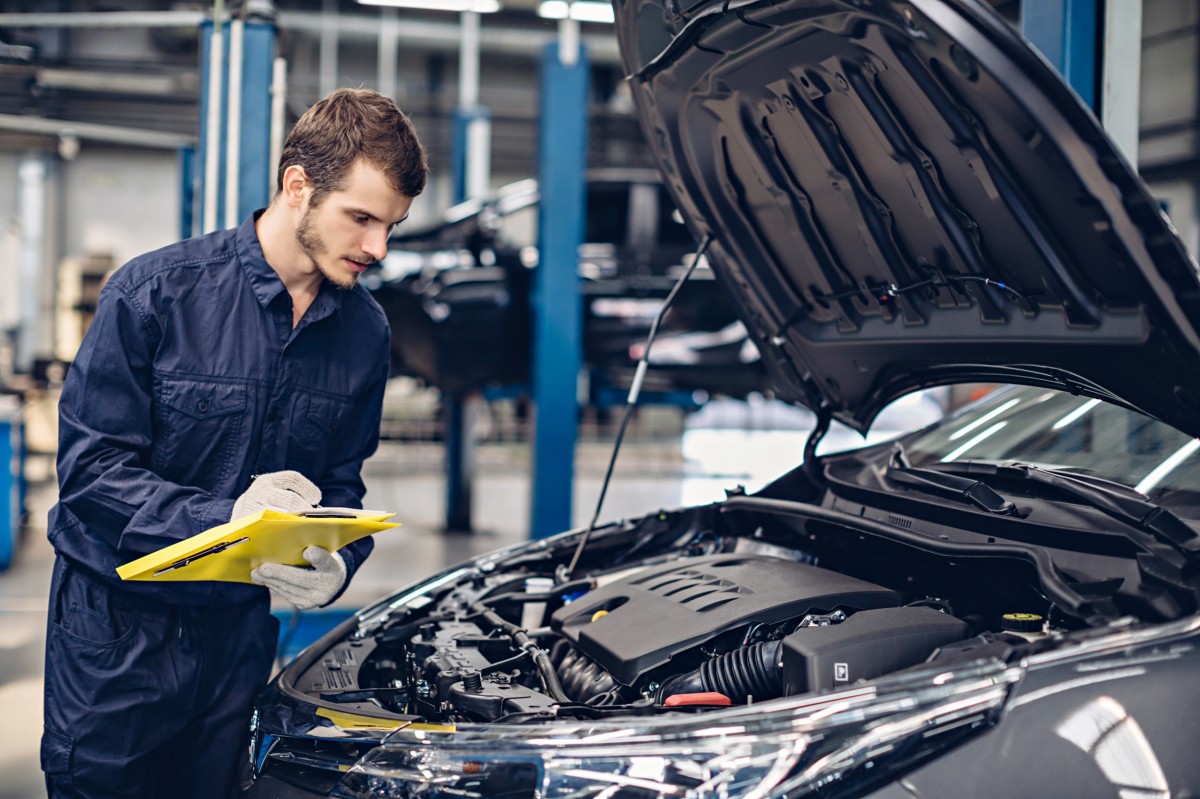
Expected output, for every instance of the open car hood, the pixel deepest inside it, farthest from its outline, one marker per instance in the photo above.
(904, 194)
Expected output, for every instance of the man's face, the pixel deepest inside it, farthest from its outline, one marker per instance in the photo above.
(348, 230)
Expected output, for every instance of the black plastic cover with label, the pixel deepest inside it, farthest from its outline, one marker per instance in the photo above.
(866, 645)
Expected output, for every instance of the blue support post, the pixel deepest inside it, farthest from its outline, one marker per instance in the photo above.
(253, 143)
(1066, 32)
(557, 323)
(22, 445)
(10, 481)
(187, 182)
(464, 118)
(254, 163)
(459, 442)
(206, 149)
(459, 408)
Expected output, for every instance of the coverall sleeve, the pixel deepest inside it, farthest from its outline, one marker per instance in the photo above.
(106, 436)
(342, 485)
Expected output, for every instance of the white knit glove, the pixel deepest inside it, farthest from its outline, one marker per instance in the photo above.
(305, 588)
(286, 491)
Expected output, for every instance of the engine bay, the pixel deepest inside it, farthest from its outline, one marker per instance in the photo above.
(671, 615)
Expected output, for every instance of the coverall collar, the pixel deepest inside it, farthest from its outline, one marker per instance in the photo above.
(266, 283)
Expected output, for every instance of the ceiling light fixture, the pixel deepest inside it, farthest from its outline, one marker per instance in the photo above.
(579, 10)
(478, 6)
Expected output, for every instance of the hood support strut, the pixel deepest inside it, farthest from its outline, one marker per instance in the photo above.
(812, 465)
(630, 403)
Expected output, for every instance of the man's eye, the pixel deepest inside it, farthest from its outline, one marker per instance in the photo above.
(362, 220)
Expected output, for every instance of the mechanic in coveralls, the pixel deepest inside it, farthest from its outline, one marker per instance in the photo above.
(222, 375)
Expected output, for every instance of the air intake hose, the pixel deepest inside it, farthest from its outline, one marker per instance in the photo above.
(749, 671)
(582, 678)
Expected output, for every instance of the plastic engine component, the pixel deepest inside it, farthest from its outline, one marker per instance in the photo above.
(866, 645)
(661, 612)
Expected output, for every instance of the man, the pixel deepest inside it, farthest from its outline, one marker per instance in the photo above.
(223, 374)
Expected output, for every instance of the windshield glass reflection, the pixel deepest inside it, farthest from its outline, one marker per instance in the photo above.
(1056, 430)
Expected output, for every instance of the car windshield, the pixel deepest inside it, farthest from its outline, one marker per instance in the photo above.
(1057, 430)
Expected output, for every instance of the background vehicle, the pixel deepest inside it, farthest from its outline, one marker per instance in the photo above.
(458, 294)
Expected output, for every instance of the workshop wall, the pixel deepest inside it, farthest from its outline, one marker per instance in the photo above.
(1168, 105)
(120, 204)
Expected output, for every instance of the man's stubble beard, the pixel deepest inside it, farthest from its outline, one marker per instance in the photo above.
(313, 246)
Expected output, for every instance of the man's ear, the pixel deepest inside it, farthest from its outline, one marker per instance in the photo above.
(296, 186)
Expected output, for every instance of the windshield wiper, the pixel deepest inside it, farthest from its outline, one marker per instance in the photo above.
(1119, 502)
(975, 492)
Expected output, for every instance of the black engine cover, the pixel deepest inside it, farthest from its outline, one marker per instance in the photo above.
(658, 613)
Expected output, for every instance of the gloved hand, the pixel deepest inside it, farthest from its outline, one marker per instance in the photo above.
(305, 588)
(287, 491)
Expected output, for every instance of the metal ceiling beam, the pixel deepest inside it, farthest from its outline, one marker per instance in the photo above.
(413, 32)
(416, 33)
(95, 132)
(103, 19)
(135, 83)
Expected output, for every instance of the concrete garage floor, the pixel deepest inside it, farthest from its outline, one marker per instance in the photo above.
(405, 478)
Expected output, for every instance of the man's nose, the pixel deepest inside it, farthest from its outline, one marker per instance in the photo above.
(375, 244)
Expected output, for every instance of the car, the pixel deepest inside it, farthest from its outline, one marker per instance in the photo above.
(897, 195)
(457, 294)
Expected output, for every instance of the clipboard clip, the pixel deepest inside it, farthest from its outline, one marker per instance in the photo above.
(221, 547)
(327, 513)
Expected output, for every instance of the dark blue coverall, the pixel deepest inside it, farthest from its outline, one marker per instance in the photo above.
(190, 380)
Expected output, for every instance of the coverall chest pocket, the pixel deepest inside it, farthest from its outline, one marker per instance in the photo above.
(199, 436)
(314, 434)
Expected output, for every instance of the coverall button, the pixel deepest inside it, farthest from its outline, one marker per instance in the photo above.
(202, 406)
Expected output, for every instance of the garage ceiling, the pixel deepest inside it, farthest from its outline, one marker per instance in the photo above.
(146, 77)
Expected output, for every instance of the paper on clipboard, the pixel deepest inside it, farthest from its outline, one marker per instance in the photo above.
(230, 551)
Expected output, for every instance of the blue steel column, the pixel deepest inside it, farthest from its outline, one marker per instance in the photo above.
(206, 149)
(1066, 32)
(254, 164)
(457, 408)
(464, 118)
(187, 184)
(254, 139)
(470, 165)
(9, 481)
(557, 323)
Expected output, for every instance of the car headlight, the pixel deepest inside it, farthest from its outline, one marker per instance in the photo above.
(782, 747)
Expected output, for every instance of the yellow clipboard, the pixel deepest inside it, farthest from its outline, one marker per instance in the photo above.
(230, 551)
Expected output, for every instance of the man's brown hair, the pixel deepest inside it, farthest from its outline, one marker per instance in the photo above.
(347, 125)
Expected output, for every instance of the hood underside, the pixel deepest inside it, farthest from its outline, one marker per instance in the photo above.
(904, 194)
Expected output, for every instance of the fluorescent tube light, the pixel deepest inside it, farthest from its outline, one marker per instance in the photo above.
(478, 6)
(579, 10)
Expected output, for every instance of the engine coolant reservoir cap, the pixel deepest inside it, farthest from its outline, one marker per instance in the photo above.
(1021, 622)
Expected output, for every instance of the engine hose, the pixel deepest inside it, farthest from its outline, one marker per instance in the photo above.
(522, 640)
(749, 671)
(582, 678)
